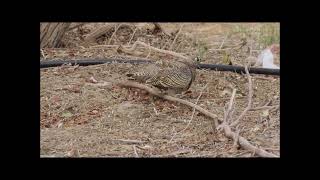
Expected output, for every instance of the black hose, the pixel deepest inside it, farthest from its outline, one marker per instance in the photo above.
(240, 69)
(87, 62)
(217, 67)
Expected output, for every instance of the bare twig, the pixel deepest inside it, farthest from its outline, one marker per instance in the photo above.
(42, 53)
(228, 111)
(227, 130)
(128, 141)
(175, 38)
(263, 107)
(223, 42)
(244, 143)
(47, 156)
(272, 149)
(236, 141)
(135, 151)
(155, 49)
(104, 46)
(193, 112)
(251, 46)
(99, 32)
(230, 104)
(132, 35)
(236, 46)
(175, 153)
(116, 27)
(249, 99)
(177, 48)
(157, 92)
(226, 49)
(75, 26)
(194, 108)
(241, 153)
(149, 51)
(157, 28)
(265, 78)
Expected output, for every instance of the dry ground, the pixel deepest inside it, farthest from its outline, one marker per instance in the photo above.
(79, 119)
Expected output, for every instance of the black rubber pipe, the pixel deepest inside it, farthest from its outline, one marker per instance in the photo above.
(87, 62)
(217, 67)
(240, 69)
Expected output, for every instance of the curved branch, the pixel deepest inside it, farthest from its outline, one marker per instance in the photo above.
(244, 143)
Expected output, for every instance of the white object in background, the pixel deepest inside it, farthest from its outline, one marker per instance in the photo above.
(266, 60)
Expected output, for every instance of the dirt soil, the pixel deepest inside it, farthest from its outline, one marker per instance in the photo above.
(79, 119)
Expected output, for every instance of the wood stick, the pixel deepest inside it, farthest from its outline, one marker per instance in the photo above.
(175, 38)
(132, 36)
(158, 27)
(227, 130)
(128, 141)
(76, 26)
(245, 144)
(155, 49)
(264, 107)
(249, 98)
(156, 92)
(99, 32)
(135, 151)
(223, 42)
(116, 27)
(194, 110)
(44, 56)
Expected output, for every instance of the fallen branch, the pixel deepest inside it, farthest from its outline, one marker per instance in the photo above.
(245, 144)
(223, 42)
(263, 107)
(75, 26)
(227, 130)
(42, 53)
(104, 46)
(135, 151)
(175, 153)
(175, 38)
(234, 47)
(155, 49)
(158, 28)
(156, 92)
(116, 27)
(227, 112)
(132, 36)
(249, 98)
(193, 112)
(241, 140)
(236, 141)
(99, 32)
(47, 156)
(128, 141)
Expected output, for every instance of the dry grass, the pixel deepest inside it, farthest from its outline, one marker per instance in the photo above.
(80, 120)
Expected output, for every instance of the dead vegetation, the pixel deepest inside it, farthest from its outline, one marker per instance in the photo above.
(81, 119)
